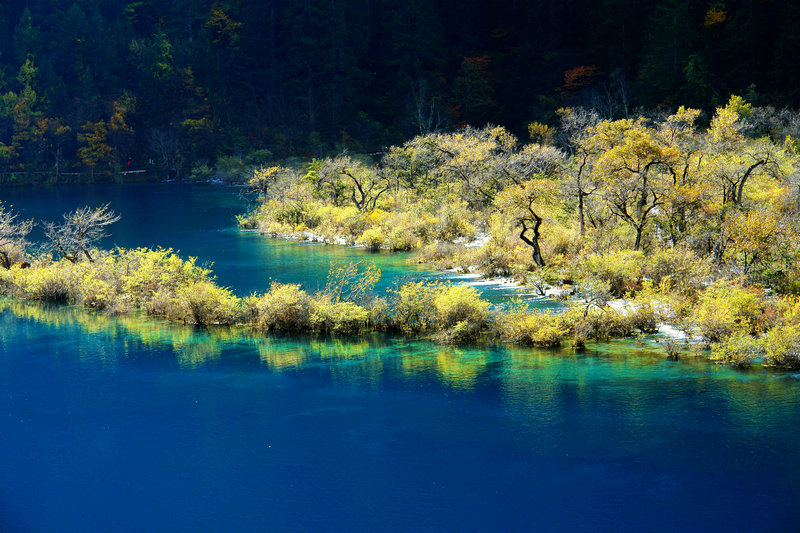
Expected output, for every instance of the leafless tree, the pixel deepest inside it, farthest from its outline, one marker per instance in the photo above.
(166, 146)
(426, 112)
(81, 229)
(575, 131)
(13, 233)
(366, 184)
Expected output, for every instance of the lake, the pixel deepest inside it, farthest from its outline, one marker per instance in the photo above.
(133, 424)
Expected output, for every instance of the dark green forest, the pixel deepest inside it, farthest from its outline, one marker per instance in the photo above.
(91, 88)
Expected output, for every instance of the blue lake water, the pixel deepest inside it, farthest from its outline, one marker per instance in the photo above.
(131, 424)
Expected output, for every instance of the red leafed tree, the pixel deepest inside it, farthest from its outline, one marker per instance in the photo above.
(579, 77)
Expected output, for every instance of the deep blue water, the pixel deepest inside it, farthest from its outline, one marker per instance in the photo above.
(134, 425)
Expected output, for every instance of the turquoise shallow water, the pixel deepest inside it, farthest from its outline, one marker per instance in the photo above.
(131, 424)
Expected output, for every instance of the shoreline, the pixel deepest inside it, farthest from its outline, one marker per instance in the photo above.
(474, 278)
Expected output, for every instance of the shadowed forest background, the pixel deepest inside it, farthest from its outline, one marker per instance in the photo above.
(97, 87)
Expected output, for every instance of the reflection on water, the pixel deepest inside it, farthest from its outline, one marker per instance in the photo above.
(525, 375)
(131, 411)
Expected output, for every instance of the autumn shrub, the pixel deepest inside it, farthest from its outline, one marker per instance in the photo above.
(677, 269)
(144, 272)
(739, 349)
(521, 326)
(402, 240)
(121, 280)
(45, 281)
(378, 314)
(622, 270)
(445, 255)
(724, 309)
(160, 303)
(461, 314)
(542, 279)
(781, 347)
(345, 318)
(285, 307)
(412, 305)
(620, 323)
(348, 304)
(247, 221)
(644, 318)
(455, 221)
(787, 280)
(673, 349)
(293, 214)
(203, 302)
(592, 294)
(494, 261)
(455, 313)
(352, 221)
(96, 290)
(422, 225)
(351, 283)
(668, 305)
(373, 238)
(602, 324)
(562, 241)
(13, 252)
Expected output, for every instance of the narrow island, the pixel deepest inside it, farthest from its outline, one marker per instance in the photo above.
(636, 224)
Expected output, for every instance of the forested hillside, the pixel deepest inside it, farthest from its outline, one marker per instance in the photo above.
(97, 87)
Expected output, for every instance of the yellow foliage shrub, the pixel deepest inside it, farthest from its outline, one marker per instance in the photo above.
(622, 270)
(376, 217)
(521, 326)
(739, 349)
(724, 309)
(203, 303)
(677, 269)
(50, 282)
(286, 307)
(412, 306)
(781, 347)
(460, 305)
(373, 238)
(456, 313)
(143, 272)
(338, 317)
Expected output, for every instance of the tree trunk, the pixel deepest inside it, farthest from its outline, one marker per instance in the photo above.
(536, 252)
(638, 242)
(740, 188)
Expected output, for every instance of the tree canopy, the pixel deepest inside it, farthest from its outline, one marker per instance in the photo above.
(102, 87)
